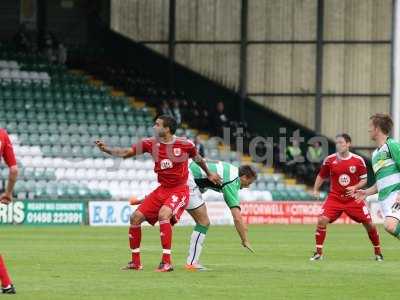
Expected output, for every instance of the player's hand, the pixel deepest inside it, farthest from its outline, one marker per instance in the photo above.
(360, 195)
(101, 145)
(214, 178)
(5, 198)
(396, 204)
(350, 191)
(247, 245)
(135, 201)
(316, 194)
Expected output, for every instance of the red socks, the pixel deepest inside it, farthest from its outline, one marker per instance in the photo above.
(166, 240)
(135, 236)
(4, 278)
(374, 237)
(320, 235)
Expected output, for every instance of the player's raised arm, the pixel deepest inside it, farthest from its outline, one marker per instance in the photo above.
(9, 158)
(241, 227)
(213, 177)
(118, 152)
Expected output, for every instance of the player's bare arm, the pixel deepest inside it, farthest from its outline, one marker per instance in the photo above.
(213, 177)
(317, 185)
(118, 152)
(361, 195)
(241, 228)
(6, 197)
(351, 190)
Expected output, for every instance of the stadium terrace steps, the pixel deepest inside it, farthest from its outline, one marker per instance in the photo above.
(53, 125)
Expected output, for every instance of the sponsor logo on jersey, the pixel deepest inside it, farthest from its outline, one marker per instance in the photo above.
(166, 164)
(352, 169)
(344, 180)
(177, 151)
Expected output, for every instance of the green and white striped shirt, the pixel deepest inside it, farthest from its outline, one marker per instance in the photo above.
(386, 166)
(230, 180)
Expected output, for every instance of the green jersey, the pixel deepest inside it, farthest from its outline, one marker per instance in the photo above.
(230, 180)
(386, 166)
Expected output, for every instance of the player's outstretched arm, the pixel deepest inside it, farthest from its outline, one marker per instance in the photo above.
(361, 195)
(351, 190)
(118, 152)
(213, 177)
(241, 228)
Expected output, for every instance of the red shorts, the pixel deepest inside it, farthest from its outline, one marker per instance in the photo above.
(334, 207)
(177, 198)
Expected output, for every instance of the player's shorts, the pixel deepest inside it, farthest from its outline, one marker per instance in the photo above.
(176, 198)
(386, 206)
(333, 208)
(196, 198)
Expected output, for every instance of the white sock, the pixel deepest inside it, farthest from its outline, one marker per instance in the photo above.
(196, 245)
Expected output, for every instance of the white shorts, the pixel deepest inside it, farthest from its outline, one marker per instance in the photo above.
(386, 206)
(196, 198)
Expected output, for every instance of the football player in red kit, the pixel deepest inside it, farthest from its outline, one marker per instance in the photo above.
(347, 173)
(167, 202)
(7, 153)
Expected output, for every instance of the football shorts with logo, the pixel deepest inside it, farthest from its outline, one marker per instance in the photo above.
(176, 198)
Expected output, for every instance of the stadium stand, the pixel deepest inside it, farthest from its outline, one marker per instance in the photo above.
(54, 115)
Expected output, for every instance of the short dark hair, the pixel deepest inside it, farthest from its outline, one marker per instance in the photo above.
(382, 121)
(345, 136)
(169, 122)
(247, 170)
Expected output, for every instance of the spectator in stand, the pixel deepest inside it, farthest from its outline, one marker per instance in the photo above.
(164, 109)
(21, 39)
(62, 54)
(199, 145)
(220, 120)
(315, 156)
(176, 111)
(295, 166)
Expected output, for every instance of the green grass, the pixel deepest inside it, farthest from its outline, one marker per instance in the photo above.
(84, 263)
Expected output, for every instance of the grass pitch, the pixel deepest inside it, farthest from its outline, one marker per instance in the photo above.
(84, 263)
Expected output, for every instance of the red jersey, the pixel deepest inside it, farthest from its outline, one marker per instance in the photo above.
(170, 160)
(343, 173)
(6, 149)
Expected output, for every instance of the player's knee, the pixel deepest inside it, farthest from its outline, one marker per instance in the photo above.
(165, 213)
(323, 221)
(390, 227)
(136, 218)
(204, 222)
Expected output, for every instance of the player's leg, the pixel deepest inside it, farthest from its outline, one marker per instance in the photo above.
(175, 202)
(200, 216)
(6, 284)
(359, 212)
(373, 235)
(391, 211)
(148, 211)
(164, 219)
(331, 210)
(198, 210)
(135, 237)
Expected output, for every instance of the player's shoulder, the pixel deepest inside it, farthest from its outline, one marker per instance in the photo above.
(329, 159)
(3, 133)
(182, 141)
(357, 158)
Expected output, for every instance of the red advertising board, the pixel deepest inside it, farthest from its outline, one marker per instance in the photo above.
(273, 212)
